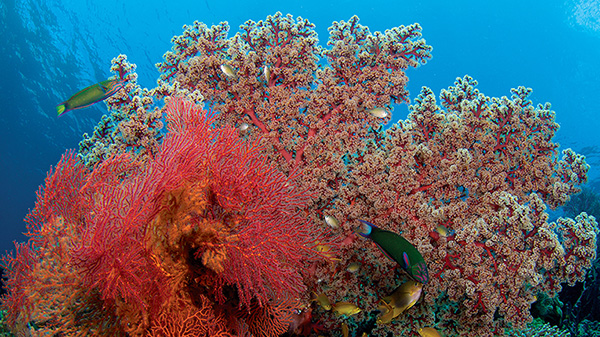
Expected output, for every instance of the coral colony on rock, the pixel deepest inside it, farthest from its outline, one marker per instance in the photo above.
(240, 220)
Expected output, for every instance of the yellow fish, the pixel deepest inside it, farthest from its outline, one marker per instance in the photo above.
(429, 332)
(353, 267)
(404, 297)
(378, 112)
(442, 230)
(346, 308)
(326, 251)
(323, 301)
(345, 330)
(228, 70)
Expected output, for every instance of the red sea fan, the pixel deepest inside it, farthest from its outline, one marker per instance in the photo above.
(60, 196)
(19, 270)
(58, 199)
(208, 218)
(112, 256)
(262, 253)
(208, 223)
(186, 320)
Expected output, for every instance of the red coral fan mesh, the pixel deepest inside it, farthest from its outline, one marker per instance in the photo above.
(60, 196)
(207, 232)
(59, 199)
(112, 255)
(267, 320)
(270, 240)
(188, 320)
(19, 275)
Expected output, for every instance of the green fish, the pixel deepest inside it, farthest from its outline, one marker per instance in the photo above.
(398, 249)
(90, 95)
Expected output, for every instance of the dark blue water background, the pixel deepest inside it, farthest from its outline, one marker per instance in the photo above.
(51, 49)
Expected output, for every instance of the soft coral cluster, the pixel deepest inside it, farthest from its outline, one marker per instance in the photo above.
(481, 169)
(133, 124)
(310, 116)
(208, 233)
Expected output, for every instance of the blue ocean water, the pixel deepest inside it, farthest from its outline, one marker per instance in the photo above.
(51, 49)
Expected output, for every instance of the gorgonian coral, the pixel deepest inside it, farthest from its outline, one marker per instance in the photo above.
(209, 229)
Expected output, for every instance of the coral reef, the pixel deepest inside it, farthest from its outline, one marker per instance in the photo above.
(483, 167)
(581, 300)
(4, 331)
(217, 228)
(587, 201)
(588, 328)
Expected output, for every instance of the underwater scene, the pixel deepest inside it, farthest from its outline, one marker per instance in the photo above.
(348, 169)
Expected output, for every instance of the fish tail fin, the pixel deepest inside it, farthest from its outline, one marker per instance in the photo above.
(365, 229)
(61, 109)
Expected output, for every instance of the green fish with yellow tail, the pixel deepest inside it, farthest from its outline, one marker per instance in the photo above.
(398, 249)
(90, 95)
